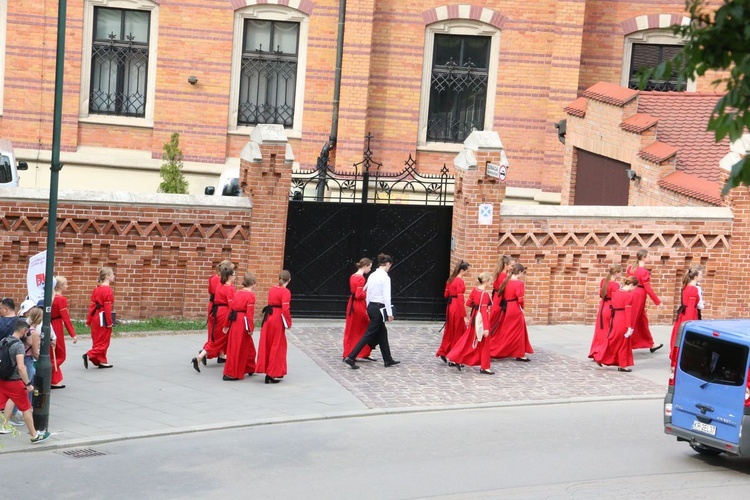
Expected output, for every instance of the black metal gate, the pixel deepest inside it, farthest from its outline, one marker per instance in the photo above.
(361, 214)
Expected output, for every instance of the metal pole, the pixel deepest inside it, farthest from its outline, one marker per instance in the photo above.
(43, 377)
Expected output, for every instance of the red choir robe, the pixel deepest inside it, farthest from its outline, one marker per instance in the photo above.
(213, 282)
(688, 311)
(495, 311)
(618, 351)
(102, 300)
(272, 345)
(59, 318)
(455, 315)
(642, 338)
(601, 327)
(468, 350)
(222, 301)
(240, 345)
(513, 335)
(356, 316)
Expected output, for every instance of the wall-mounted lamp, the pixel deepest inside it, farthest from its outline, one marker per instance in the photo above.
(632, 175)
(192, 80)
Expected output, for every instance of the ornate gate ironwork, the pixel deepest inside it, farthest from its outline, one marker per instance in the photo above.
(360, 214)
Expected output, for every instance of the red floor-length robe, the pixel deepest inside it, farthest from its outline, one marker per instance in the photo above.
(495, 311)
(356, 316)
(455, 315)
(469, 351)
(102, 300)
(688, 311)
(222, 300)
(59, 318)
(618, 351)
(240, 345)
(272, 345)
(642, 338)
(601, 327)
(514, 336)
(213, 282)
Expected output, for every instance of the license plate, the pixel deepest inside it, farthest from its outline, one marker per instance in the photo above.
(705, 428)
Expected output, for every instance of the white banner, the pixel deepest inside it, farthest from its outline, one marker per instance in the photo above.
(35, 276)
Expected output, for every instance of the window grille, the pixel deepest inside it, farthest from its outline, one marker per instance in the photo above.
(119, 62)
(647, 55)
(268, 74)
(458, 87)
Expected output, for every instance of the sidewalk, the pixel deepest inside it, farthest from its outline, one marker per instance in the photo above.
(153, 389)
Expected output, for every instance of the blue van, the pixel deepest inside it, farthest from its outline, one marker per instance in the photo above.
(708, 399)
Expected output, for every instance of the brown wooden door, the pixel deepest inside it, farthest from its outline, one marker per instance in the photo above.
(600, 180)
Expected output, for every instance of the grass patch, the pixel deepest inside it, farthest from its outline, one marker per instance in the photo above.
(149, 325)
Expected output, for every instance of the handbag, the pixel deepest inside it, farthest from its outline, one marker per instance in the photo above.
(479, 323)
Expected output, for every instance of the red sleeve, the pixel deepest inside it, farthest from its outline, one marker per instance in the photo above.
(66, 316)
(286, 298)
(629, 317)
(459, 286)
(645, 280)
(447, 291)
(359, 288)
(250, 312)
(108, 298)
(613, 287)
(519, 293)
(470, 301)
(484, 309)
(691, 297)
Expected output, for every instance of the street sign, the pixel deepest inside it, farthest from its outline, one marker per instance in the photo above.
(503, 173)
(485, 214)
(493, 170)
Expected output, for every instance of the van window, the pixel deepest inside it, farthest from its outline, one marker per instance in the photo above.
(714, 360)
(6, 173)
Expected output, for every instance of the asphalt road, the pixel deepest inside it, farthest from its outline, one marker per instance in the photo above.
(573, 450)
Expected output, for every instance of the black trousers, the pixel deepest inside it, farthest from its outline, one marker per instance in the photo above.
(376, 334)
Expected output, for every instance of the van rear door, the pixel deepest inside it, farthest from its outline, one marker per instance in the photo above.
(709, 393)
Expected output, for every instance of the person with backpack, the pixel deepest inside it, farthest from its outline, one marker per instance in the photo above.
(8, 317)
(15, 384)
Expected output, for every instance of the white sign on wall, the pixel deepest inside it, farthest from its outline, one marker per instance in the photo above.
(485, 214)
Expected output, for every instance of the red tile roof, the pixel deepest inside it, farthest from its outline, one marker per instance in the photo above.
(610, 93)
(577, 107)
(657, 152)
(638, 123)
(695, 187)
(683, 117)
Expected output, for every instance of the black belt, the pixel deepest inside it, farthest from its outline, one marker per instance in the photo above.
(504, 303)
(612, 318)
(640, 286)
(450, 298)
(267, 311)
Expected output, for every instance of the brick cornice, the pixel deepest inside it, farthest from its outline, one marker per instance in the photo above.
(652, 21)
(464, 11)
(305, 6)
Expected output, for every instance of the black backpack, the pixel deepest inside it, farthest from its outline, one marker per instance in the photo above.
(7, 362)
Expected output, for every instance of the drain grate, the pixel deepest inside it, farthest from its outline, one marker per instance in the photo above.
(83, 453)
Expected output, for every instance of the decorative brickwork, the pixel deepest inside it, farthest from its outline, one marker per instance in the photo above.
(463, 11)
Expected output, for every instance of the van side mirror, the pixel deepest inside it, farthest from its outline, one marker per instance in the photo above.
(22, 165)
(209, 191)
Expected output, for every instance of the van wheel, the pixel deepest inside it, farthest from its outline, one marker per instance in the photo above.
(705, 450)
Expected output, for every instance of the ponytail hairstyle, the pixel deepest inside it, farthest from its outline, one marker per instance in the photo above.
(226, 272)
(363, 262)
(484, 277)
(630, 280)
(285, 277)
(461, 266)
(103, 273)
(384, 259)
(639, 257)
(690, 275)
(249, 280)
(61, 281)
(514, 271)
(617, 268)
(502, 264)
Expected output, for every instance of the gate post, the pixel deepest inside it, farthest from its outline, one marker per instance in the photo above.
(473, 241)
(266, 177)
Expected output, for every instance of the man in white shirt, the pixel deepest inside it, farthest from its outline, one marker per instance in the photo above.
(379, 309)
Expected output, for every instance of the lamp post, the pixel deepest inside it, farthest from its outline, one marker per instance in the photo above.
(43, 377)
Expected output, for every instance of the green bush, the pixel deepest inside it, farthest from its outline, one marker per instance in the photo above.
(171, 170)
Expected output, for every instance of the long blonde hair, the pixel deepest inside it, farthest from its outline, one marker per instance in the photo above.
(103, 273)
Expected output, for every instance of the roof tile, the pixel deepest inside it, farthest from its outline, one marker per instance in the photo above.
(638, 123)
(610, 93)
(694, 187)
(657, 152)
(577, 107)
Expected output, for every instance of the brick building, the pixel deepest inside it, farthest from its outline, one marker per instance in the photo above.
(418, 75)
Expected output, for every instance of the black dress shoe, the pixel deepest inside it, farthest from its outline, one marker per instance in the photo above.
(654, 349)
(85, 361)
(445, 360)
(196, 367)
(271, 380)
(525, 360)
(391, 363)
(486, 372)
(104, 365)
(627, 370)
(221, 360)
(349, 361)
(61, 386)
(203, 359)
(227, 377)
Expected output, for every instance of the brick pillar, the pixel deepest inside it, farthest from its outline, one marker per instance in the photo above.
(735, 302)
(266, 177)
(472, 242)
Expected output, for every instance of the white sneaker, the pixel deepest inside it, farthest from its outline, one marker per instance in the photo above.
(40, 436)
(5, 429)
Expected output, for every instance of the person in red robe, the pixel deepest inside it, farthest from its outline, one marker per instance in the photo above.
(277, 318)
(356, 311)
(689, 299)
(240, 346)
(514, 336)
(219, 336)
(60, 318)
(213, 282)
(642, 338)
(473, 348)
(607, 287)
(455, 311)
(99, 319)
(618, 351)
(501, 272)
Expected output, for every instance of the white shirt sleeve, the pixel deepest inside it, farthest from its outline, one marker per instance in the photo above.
(387, 295)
